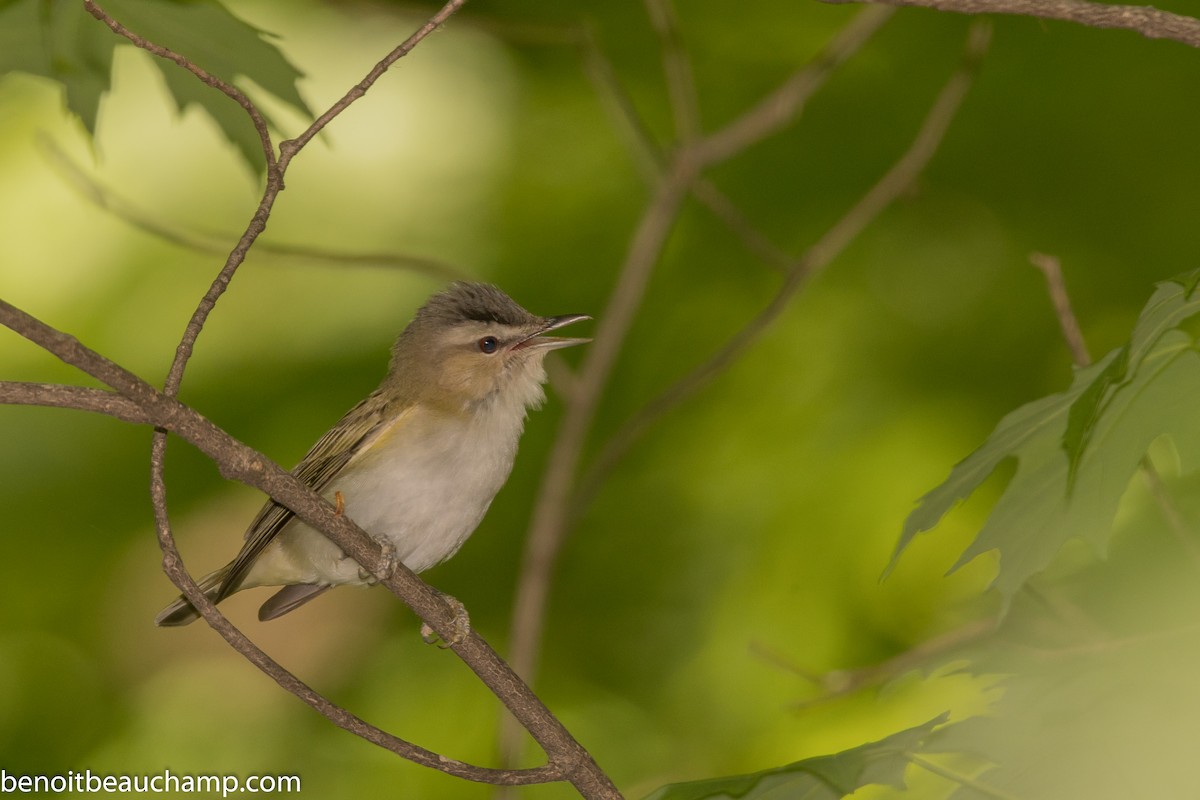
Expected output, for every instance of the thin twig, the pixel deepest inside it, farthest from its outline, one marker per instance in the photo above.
(893, 183)
(289, 148)
(1057, 288)
(1176, 524)
(215, 243)
(677, 67)
(1150, 22)
(649, 156)
(962, 780)
(230, 91)
(652, 161)
(840, 683)
(781, 107)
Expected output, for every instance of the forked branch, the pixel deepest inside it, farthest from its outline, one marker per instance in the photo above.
(134, 400)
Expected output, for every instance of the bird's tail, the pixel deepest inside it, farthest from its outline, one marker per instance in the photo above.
(181, 612)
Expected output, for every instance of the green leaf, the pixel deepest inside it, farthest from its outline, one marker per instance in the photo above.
(1085, 411)
(57, 39)
(223, 45)
(1077, 451)
(821, 778)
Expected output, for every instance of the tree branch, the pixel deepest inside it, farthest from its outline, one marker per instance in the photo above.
(1150, 22)
(58, 396)
(652, 162)
(547, 528)
(288, 149)
(781, 107)
(1056, 287)
(681, 85)
(569, 761)
(107, 199)
(557, 497)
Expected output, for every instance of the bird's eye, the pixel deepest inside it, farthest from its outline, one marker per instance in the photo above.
(488, 344)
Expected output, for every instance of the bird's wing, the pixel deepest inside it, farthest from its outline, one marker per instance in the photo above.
(349, 438)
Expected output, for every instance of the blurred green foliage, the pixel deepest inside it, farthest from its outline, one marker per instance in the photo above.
(726, 575)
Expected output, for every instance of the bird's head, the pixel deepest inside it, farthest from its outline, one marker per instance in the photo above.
(473, 345)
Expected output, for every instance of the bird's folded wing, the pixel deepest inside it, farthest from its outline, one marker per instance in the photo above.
(346, 440)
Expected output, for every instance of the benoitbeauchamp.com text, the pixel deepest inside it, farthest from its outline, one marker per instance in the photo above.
(86, 782)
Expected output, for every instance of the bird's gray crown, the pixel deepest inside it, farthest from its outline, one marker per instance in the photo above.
(477, 302)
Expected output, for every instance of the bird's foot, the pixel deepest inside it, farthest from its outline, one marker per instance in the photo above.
(387, 564)
(387, 560)
(460, 625)
(339, 504)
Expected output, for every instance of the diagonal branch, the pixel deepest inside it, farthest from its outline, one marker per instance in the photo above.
(677, 176)
(57, 395)
(107, 199)
(569, 761)
(289, 148)
(681, 85)
(547, 528)
(1150, 22)
(652, 162)
(779, 108)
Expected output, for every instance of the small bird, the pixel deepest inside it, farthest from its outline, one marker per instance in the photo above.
(417, 463)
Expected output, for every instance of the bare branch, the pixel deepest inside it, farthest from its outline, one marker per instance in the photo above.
(840, 683)
(111, 201)
(1150, 22)
(890, 186)
(557, 497)
(289, 148)
(548, 526)
(783, 105)
(77, 397)
(681, 86)
(1057, 288)
(652, 161)
(975, 785)
(275, 167)
(569, 761)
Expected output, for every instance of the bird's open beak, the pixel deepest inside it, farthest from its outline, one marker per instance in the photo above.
(539, 341)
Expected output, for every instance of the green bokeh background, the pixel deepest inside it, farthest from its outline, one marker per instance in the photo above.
(742, 540)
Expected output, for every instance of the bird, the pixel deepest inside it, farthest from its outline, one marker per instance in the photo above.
(417, 463)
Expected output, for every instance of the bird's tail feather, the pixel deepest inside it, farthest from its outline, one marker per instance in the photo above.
(182, 612)
(290, 598)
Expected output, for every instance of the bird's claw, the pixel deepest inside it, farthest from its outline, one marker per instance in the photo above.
(460, 625)
(387, 564)
(387, 560)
